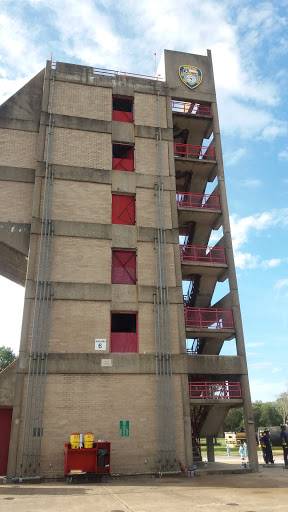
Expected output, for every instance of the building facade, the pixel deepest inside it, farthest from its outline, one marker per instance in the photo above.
(106, 219)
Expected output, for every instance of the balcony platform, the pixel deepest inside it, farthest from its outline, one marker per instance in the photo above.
(199, 215)
(200, 127)
(203, 169)
(217, 334)
(202, 268)
(231, 402)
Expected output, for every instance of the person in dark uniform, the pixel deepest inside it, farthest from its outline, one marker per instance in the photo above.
(262, 443)
(284, 442)
(269, 453)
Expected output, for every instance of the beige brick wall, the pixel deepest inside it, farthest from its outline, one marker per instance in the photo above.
(81, 202)
(76, 324)
(80, 260)
(146, 157)
(82, 101)
(7, 385)
(18, 148)
(16, 201)
(147, 264)
(146, 208)
(147, 110)
(147, 329)
(82, 149)
(96, 403)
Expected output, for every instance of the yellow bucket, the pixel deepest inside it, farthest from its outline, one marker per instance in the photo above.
(88, 440)
(74, 440)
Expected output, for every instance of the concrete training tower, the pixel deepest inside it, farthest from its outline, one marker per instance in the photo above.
(101, 172)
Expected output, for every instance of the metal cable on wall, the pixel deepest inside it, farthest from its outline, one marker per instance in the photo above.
(163, 356)
(33, 418)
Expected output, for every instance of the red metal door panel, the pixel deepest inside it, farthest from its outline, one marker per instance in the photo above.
(123, 164)
(123, 267)
(5, 429)
(123, 209)
(124, 342)
(123, 117)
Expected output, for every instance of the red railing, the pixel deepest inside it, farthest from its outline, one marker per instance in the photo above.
(194, 109)
(187, 200)
(215, 390)
(112, 72)
(187, 150)
(190, 253)
(209, 318)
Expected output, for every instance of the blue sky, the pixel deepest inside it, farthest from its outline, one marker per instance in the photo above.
(249, 44)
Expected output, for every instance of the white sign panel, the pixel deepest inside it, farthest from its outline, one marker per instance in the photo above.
(100, 344)
(106, 362)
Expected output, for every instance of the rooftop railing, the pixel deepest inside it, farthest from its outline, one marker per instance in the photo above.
(194, 253)
(215, 390)
(209, 318)
(194, 109)
(112, 72)
(189, 150)
(205, 201)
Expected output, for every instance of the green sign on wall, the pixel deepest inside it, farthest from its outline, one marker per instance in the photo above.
(124, 428)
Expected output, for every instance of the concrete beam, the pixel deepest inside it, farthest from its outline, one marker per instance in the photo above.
(20, 174)
(215, 365)
(13, 264)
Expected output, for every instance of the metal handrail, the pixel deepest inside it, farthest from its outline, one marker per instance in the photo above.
(112, 72)
(205, 201)
(193, 253)
(215, 390)
(186, 150)
(210, 318)
(195, 109)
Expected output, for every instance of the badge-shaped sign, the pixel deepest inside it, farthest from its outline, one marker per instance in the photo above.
(190, 76)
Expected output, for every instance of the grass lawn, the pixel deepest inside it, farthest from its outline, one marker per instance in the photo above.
(222, 450)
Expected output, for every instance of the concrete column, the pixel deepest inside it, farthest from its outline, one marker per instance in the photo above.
(187, 423)
(240, 344)
(210, 449)
(18, 406)
(249, 424)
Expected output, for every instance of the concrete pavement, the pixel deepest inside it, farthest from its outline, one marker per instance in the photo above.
(261, 492)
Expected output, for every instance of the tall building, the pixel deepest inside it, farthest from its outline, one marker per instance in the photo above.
(105, 214)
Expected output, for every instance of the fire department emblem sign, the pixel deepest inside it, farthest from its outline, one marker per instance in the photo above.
(190, 76)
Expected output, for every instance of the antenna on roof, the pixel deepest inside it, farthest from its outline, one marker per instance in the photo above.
(155, 54)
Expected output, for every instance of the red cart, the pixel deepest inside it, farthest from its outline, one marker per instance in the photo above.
(87, 462)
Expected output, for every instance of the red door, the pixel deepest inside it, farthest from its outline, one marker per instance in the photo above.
(5, 428)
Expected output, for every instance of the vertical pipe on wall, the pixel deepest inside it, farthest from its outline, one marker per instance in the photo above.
(39, 329)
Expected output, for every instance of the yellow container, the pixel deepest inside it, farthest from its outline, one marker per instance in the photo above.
(88, 440)
(74, 441)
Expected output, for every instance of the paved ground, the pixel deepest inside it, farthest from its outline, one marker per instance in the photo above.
(266, 491)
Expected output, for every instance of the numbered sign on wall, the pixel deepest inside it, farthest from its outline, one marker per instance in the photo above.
(100, 344)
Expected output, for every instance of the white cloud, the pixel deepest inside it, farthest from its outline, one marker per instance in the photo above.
(260, 365)
(277, 370)
(265, 390)
(281, 284)
(274, 262)
(246, 260)
(255, 344)
(234, 157)
(250, 183)
(241, 227)
(283, 155)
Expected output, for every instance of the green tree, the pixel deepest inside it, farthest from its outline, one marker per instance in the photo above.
(270, 416)
(282, 406)
(234, 420)
(7, 357)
